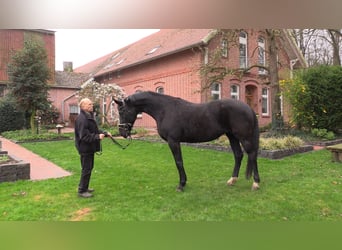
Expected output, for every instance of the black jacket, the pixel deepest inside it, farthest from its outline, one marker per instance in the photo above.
(87, 140)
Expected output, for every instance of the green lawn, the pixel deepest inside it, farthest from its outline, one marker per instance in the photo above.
(139, 184)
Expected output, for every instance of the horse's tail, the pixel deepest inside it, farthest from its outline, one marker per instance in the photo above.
(252, 155)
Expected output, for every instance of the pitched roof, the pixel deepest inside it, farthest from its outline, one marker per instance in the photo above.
(159, 44)
(73, 80)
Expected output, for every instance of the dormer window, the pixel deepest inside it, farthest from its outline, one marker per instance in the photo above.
(116, 55)
(153, 50)
(121, 61)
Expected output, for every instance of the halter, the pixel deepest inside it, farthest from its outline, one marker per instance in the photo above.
(127, 127)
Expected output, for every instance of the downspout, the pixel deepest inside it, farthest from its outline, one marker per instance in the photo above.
(63, 102)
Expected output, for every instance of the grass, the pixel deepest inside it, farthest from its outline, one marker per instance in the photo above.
(139, 183)
(3, 158)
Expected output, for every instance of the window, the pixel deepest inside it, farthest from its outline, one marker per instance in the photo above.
(113, 113)
(139, 115)
(153, 50)
(224, 48)
(243, 49)
(264, 96)
(234, 92)
(215, 91)
(74, 109)
(261, 54)
(160, 90)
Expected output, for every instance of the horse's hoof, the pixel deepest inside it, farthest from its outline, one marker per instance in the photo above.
(180, 189)
(255, 186)
(232, 181)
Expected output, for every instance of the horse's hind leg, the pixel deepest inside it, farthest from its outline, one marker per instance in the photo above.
(238, 155)
(253, 165)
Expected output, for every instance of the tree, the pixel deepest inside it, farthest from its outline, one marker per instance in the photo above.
(28, 73)
(319, 46)
(100, 94)
(277, 119)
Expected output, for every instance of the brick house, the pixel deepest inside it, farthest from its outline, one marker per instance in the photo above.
(63, 84)
(63, 93)
(171, 61)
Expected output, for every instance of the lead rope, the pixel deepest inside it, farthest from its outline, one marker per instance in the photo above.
(120, 145)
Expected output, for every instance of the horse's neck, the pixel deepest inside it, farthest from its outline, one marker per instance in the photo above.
(152, 107)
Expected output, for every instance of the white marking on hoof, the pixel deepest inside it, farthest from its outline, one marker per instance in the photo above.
(255, 186)
(232, 181)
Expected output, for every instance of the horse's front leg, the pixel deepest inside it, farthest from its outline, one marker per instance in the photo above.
(177, 155)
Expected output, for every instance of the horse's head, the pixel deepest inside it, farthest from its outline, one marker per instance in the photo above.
(128, 115)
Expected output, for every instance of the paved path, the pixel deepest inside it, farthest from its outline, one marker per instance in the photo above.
(40, 168)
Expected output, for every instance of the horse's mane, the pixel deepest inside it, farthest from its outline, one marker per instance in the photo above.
(147, 95)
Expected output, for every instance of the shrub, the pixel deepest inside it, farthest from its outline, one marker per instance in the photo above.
(315, 97)
(286, 142)
(323, 133)
(11, 118)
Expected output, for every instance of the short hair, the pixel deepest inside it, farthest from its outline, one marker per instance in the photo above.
(83, 101)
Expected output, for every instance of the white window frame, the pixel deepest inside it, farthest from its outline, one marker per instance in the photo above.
(235, 94)
(74, 107)
(224, 48)
(160, 90)
(243, 59)
(112, 110)
(265, 101)
(261, 55)
(139, 115)
(214, 92)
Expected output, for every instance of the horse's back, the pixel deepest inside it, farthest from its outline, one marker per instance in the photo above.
(236, 116)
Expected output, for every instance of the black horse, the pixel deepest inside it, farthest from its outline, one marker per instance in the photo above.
(182, 121)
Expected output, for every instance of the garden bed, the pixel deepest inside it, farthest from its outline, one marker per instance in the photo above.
(325, 143)
(271, 154)
(14, 169)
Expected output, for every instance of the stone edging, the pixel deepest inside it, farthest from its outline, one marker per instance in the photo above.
(271, 154)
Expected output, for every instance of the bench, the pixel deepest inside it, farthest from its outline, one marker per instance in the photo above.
(336, 152)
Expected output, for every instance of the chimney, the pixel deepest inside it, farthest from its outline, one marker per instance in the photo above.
(67, 67)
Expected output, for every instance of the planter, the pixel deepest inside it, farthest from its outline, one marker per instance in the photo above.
(14, 169)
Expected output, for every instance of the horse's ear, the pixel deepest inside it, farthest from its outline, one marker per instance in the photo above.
(129, 100)
(118, 102)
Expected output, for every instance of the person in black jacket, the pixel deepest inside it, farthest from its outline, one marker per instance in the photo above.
(87, 141)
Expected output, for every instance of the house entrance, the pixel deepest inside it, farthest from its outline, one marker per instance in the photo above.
(251, 96)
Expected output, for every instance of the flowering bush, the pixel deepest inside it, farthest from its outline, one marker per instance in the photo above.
(101, 94)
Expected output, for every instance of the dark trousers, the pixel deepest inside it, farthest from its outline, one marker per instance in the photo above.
(87, 163)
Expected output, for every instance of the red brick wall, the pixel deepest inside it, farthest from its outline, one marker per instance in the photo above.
(13, 40)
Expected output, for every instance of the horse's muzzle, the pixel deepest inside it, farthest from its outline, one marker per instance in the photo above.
(125, 129)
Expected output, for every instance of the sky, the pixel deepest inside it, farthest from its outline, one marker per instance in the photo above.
(82, 46)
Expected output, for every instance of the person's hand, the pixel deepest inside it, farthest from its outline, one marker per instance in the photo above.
(101, 136)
